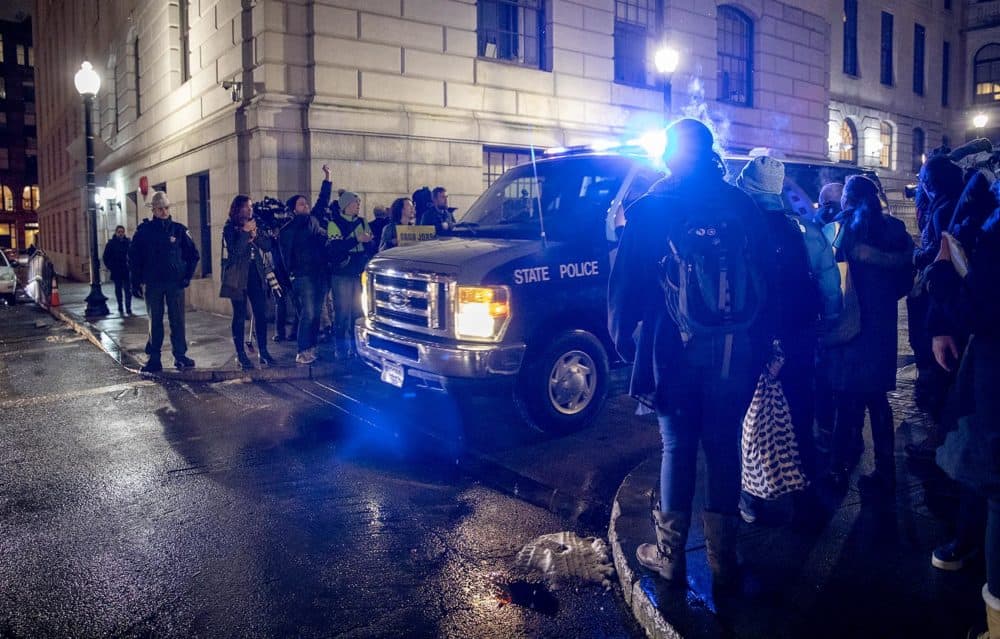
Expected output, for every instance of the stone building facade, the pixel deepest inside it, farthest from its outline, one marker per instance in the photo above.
(210, 98)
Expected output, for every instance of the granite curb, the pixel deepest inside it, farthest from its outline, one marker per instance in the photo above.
(630, 526)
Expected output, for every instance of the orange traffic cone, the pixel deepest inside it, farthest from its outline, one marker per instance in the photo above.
(54, 298)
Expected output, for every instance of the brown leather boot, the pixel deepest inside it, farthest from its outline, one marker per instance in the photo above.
(667, 556)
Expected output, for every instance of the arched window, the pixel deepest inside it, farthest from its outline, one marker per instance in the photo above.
(986, 81)
(885, 151)
(735, 44)
(6, 199)
(848, 142)
(918, 149)
(29, 198)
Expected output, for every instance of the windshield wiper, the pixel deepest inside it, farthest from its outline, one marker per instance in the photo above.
(471, 226)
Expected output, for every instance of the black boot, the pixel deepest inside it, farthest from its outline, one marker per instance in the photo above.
(241, 355)
(264, 356)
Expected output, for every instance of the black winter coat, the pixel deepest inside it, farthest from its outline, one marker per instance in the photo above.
(636, 298)
(438, 218)
(942, 209)
(867, 364)
(959, 306)
(162, 254)
(241, 255)
(302, 243)
(115, 257)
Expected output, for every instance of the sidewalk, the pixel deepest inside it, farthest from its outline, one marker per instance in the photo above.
(209, 340)
(863, 572)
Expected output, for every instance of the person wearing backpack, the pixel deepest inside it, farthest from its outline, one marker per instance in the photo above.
(806, 293)
(689, 278)
(878, 250)
(349, 248)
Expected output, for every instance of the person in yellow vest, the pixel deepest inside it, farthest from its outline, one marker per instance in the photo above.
(349, 248)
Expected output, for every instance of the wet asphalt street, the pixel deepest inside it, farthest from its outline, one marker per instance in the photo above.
(130, 507)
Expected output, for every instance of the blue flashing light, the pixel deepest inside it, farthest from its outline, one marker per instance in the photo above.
(652, 142)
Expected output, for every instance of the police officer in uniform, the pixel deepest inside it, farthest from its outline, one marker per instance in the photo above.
(162, 260)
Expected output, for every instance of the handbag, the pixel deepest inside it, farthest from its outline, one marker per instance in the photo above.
(772, 465)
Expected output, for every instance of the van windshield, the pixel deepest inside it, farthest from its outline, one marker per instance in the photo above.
(570, 194)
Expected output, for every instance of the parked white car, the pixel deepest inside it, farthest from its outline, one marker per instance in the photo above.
(8, 280)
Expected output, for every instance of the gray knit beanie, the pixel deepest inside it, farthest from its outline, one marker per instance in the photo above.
(762, 175)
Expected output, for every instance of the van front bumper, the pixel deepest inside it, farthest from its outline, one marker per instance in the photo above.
(435, 364)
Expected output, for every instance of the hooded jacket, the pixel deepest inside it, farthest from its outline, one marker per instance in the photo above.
(945, 178)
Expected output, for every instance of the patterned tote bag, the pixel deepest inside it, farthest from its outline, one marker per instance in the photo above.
(772, 466)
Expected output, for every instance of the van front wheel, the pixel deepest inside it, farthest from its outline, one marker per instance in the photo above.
(562, 386)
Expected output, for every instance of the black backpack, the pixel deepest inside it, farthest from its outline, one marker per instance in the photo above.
(711, 284)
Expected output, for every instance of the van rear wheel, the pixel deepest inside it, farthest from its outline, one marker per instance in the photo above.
(562, 385)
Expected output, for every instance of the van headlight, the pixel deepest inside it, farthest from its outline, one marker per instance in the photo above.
(364, 294)
(482, 312)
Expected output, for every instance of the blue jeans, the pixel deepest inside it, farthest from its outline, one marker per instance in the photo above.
(706, 409)
(170, 298)
(347, 309)
(309, 292)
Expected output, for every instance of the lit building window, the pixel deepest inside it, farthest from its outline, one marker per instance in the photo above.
(21, 58)
(511, 30)
(1, 47)
(29, 198)
(3, 90)
(987, 74)
(735, 42)
(848, 142)
(634, 21)
(31, 56)
(6, 199)
(885, 152)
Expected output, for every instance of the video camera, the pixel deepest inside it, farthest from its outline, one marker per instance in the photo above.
(270, 214)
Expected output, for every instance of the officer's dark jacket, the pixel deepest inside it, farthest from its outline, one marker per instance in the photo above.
(162, 254)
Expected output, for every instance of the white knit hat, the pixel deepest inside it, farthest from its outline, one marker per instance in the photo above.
(158, 201)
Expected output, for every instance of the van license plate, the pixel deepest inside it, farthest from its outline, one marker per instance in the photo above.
(392, 373)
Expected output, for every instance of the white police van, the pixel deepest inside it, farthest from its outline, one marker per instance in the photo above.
(514, 297)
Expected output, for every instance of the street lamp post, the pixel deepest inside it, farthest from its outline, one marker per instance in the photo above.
(87, 84)
(667, 59)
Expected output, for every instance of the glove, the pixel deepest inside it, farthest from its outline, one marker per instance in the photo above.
(137, 291)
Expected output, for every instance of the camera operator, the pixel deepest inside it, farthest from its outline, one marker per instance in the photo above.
(271, 215)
